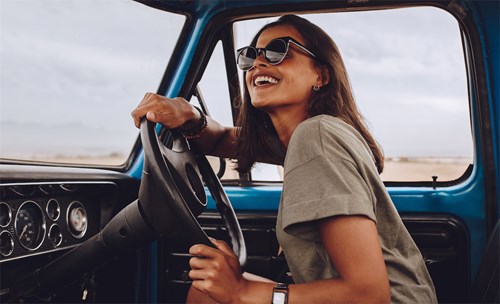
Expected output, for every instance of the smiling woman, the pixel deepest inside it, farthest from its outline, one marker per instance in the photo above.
(407, 70)
(70, 72)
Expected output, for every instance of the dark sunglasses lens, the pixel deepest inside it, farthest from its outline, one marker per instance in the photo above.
(276, 51)
(246, 58)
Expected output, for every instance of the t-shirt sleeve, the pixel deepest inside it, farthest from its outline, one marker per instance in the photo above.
(322, 188)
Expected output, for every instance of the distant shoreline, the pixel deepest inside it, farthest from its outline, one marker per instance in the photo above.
(396, 168)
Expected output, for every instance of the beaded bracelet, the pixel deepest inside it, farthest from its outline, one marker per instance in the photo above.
(199, 129)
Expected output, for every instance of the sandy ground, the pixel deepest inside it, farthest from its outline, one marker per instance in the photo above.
(423, 170)
(410, 170)
(395, 169)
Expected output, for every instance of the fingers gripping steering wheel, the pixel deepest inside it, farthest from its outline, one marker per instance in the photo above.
(172, 194)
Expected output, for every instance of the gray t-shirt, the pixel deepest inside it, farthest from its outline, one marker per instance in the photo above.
(329, 171)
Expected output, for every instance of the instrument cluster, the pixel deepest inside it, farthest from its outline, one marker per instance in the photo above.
(40, 218)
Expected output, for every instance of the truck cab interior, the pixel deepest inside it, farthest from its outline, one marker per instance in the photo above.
(94, 210)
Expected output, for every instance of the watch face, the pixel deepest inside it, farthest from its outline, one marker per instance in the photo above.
(279, 297)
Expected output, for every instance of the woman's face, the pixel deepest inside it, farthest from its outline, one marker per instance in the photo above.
(291, 80)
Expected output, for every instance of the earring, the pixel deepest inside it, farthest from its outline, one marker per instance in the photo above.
(316, 87)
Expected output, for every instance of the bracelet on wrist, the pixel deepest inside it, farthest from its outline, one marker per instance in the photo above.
(197, 130)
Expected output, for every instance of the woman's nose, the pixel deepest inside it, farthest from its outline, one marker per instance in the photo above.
(260, 60)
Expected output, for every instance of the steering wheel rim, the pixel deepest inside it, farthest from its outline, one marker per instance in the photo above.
(172, 194)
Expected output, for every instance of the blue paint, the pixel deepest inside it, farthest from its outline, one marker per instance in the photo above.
(486, 16)
(135, 170)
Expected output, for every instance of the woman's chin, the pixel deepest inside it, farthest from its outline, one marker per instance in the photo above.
(260, 103)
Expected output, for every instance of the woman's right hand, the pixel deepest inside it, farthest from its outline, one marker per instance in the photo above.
(170, 112)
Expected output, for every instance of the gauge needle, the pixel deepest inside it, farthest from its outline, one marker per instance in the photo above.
(24, 230)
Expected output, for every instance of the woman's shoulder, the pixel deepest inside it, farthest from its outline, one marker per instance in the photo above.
(327, 135)
(308, 139)
(320, 119)
(323, 126)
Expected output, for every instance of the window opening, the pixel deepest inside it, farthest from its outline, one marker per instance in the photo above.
(408, 76)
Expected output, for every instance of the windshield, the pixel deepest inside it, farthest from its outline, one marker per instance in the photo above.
(72, 71)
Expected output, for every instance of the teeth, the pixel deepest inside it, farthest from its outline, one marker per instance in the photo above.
(261, 80)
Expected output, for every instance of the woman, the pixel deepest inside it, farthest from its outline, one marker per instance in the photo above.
(341, 235)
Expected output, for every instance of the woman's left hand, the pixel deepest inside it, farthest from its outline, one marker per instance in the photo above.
(217, 272)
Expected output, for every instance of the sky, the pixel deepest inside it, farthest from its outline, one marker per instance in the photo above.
(72, 71)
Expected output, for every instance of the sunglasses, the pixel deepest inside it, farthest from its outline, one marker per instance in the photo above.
(274, 52)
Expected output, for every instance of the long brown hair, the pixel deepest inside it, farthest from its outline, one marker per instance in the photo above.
(257, 135)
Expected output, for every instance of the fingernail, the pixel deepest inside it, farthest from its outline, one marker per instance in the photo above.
(212, 239)
(151, 116)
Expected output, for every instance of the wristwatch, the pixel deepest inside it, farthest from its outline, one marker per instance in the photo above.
(280, 294)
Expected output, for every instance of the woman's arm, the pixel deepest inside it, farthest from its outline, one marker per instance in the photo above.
(353, 246)
(195, 296)
(216, 140)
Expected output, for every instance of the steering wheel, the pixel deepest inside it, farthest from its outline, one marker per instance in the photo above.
(172, 194)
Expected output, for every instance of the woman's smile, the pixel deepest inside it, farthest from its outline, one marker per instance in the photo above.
(263, 80)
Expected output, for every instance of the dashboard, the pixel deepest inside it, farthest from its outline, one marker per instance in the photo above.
(45, 217)
(45, 211)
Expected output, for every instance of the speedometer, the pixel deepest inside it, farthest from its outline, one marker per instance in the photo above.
(29, 225)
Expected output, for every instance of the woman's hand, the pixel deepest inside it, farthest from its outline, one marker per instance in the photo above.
(170, 112)
(217, 272)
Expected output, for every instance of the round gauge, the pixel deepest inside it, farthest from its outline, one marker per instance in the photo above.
(53, 209)
(6, 243)
(77, 219)
(55, 235)
(29, 225)
(5, 214)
